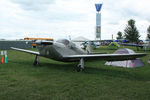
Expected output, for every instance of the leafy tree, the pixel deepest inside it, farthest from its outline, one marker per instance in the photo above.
(120, 36)
(148, 31)
(131, 33)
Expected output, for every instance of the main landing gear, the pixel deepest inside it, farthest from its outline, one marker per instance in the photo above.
(36, 61)
(80, 66)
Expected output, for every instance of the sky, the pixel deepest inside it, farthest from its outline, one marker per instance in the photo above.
(70, 18)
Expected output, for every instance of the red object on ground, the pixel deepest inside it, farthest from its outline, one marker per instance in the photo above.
(3, 59)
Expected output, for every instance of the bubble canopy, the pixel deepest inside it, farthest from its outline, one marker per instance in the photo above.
(64, 41)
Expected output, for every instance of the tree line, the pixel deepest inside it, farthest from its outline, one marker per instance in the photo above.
(131, 32)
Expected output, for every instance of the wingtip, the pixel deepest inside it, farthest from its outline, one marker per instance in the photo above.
(12, 47)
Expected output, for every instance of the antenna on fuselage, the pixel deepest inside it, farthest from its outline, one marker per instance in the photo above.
(89, 48)
(69, 37)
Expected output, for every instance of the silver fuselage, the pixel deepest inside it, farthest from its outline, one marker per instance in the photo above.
(57, 50)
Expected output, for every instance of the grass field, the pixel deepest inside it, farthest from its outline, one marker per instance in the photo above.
(52, 80)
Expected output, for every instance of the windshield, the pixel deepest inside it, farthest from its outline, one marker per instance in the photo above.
(63, 41)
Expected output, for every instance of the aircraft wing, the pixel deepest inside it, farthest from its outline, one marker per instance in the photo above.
(27, 51)
(98, 53)
(108, 57)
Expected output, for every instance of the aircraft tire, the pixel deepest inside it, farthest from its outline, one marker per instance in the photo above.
(79, 68)
(35, 63)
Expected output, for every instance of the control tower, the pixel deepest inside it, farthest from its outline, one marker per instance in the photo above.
(98, 22)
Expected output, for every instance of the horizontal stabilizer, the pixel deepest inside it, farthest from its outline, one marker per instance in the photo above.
(44, 42)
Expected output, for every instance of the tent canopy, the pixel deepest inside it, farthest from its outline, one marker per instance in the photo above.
(126, 63)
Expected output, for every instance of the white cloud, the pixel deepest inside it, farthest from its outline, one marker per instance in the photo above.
(33, 4)
(61, 18)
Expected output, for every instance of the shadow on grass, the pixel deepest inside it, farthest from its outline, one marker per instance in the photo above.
(54, 65)
(60, 66)
(131, 75)
(101, 71)
(71, 67)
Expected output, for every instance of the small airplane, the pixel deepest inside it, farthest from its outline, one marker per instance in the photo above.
(66, 51)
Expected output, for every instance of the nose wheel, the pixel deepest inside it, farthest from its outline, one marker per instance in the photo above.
(80, 66)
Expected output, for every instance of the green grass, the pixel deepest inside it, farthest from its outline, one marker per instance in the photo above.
(52, 80)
